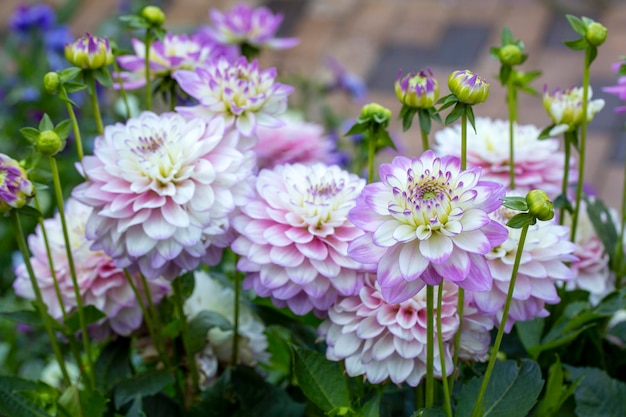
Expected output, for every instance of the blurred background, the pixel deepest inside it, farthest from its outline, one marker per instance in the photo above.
(373, 39)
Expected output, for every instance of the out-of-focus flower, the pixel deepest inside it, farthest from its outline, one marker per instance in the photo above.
(538, 163)
(15, 187)
(546, 252)
(595, 33)
(565, 108)
(343, 80)
(101, 283)
(468, 87)
(294, 237)
(52, 375)
(426, 220)
(26, 17)
(240, 92)
(210, 295)
(167, 56)
(420, 90)
(243, 24)
(383, 340)
(89, 52)
(619, 89)
(163, 188)
(295, 142)
(153, 15)
(475, 333)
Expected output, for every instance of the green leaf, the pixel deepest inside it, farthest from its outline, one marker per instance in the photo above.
(320, 380)
(103, 77)
(407, 114)
(200, 325)
(68, 74)
(611, 304)
(505, 73)
(424, 118)
(384, 141)
(576, 45)
(618, 333)
(30, 211)
(372, 407)
(494, 52)
(136, 408)
(516, 203)
(561, 201)
(45, 123)
(187, 284)
(457, 112)
(356, 129)
(72, 87)
(470, 116)
(30, 134)
(577, 24)
(447, 101)
(29, 317)
(593, 53)
(511, 392)
(556, 391)
(506, 36)
(13, 404)
(598, 395)
(603, 225)
(144, 384)
(113, 363)
(430, 412)
(63, 129)
(91, 313)
(529, 333)
(545, 133)
(520, 220)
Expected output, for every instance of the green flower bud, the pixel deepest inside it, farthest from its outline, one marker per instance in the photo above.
(510, 55)
(89, 52)
(419, 90)
(469, 88)
(539, 205)
(375, 112)
(51, 82)
(49, 143)
(153, 14)
(596, 34)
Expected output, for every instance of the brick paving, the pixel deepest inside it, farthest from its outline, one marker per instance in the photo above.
(375, 38)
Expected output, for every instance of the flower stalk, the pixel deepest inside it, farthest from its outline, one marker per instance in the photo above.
(446, 391)
(430, 346)
(191, 359)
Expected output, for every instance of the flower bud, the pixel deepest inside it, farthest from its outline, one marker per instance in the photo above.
(15, 188)
(596, 33)
(375, 112)
(469, 88)
(51, 82)
(419, 90)
(565, 108)
(89, 52)
(510, 55)
(49, 143)
(153, 14)
(539, 205)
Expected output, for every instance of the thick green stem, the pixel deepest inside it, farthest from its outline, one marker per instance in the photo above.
(425, 145)
(41, 306)
(79, 142)
(95, 105)
(180, 311)
(582, 144)
(512, 102)
(430, 345)
(505, 315)
(70, 260)
(371, 153)
(619, 247)
(568, 151)
(147, 70)
(237, 284)
(446, 391)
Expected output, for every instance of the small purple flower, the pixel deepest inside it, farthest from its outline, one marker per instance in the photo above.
(619, 89)
(345, 81)
(15, 188)
(40, 17)
(245, 25)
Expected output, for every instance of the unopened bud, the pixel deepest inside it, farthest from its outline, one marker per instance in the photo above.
(154, 15)
(375, 112)
(49, 143)
(596, 33)
(468, 87)
(539, 205)
(51, 82)
(510, 55)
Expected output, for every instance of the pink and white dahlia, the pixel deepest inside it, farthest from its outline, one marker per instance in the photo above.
(427, 220)
(543, 264)
(163, 188)
(295, 234)
(167, 56)
(243, 24)
(475, 333)
(295, 142)
(210, 295)
(240, 92)
(101, 283)
(383, 340)
(538, 163)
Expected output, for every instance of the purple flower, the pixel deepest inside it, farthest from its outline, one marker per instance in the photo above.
(89, 52)
(241, 93)
(345, 81)
(425, 221)
(25, 18)
(253, 26)
(15, 188)
(419, 90)
(619, 89)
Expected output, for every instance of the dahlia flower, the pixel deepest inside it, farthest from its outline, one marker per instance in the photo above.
(538, 163)
(163, 188)
(565, 108)
(210, 295)
(383, 340)
(167, 56)
(475, 333)
(295, 142)
(15, 187)
(101, 283)
(256, 27)
(89, 52)
(294, 237)
(420, 90)
(546, 252)
(468, 87)
(619, 89)
(426, 220)
(240, 92)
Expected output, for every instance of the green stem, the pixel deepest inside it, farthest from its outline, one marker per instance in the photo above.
(120, 82)
(173, 97)
(505, 315)
(425, 145)
(446, 391)
(237, 284)
(430, 345)
(619, 247)
(147, 70)
(96, 105)
(582, 144)
(70, 260)
(41, 306)
(79, 142)
(191, 359)
(371, 152)
(565, 185)
(512, 102)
